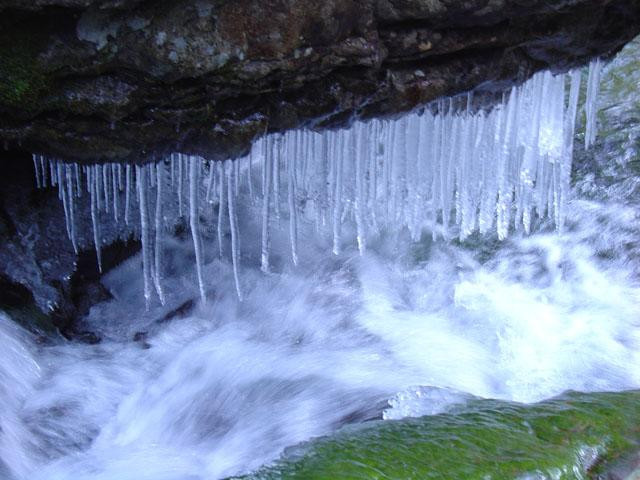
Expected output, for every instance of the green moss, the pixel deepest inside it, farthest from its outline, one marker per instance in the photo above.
(22, 81)
(485, 439)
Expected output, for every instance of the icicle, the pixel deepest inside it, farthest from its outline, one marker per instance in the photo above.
(157, 271)
(264, 263)
(141, 181)
(293, 214)
(221, 205)
(263, 177)
(357, 147)
(78, 182)
(250, 175)
(53, 173)
(372, 202)
(233, 226)
(120, 186)
(567, 154)
(275, 172)
(43, 168)
(37, 172)
(105, 184)
(151, 174)
(337, 201)
(62, 194)
(97, 176)
(127, 193)
(173, 169)
(591, 105)
(210, 182)
(448, 154)
(505, 188)
(72, 221)
(180, 181)
(114, 179)
(86, 170)
(93, 193)
(194, 223)
(531, 155)
(321, 157)
(414, 176)
(394, 170)
(236, 177)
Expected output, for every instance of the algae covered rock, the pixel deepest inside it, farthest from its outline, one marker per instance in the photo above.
(570, 437)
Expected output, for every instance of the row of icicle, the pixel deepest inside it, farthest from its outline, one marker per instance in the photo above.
(478, 170)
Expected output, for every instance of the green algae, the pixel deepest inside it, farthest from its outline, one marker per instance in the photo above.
(570, 437)
(22, 81)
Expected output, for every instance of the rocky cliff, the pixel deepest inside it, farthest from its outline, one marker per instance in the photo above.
(96, 80)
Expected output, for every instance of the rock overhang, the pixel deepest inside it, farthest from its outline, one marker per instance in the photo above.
(98, 80)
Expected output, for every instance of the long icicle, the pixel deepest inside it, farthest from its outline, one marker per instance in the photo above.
(157, 271)
(71, 196)
(570, 126)
(78, 182)
(591, 104)
(127, 193)
(141, 181)
(180, 182)
(114, 178)
(337, 209)
(37, 171)
(275, 173)
(105, 185)
(210, 182)
(264, 259)
(194, 223)
(44, 169)
(93, 194)
(250, 174)
(221, 205)
(357, 155)
(233, 226)
(62, 194)
(293, 214)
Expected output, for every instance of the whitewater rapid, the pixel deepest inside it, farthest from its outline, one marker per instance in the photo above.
(227, 386)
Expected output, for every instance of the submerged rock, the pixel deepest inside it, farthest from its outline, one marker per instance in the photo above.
(571, 437)
(127, 80)
(43, 280)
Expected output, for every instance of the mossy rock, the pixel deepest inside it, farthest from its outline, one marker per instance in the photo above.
(22, 81)
(571, 437)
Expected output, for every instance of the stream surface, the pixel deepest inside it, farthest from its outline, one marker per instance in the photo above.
(409, 329)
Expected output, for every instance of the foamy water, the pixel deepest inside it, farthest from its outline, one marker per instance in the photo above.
(226, 388)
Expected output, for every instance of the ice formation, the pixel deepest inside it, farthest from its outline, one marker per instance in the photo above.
(449, 169)
(591, 105)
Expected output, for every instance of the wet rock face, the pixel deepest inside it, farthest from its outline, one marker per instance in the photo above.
(43, 282)
(129, 80)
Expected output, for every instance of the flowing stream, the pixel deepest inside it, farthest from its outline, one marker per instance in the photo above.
(225, 388)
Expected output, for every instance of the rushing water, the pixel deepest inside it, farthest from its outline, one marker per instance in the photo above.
(226, 387)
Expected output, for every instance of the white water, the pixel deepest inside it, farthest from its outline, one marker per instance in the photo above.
(226, 388)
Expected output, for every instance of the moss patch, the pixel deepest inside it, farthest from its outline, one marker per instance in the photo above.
(486, 439)
(22, 81)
